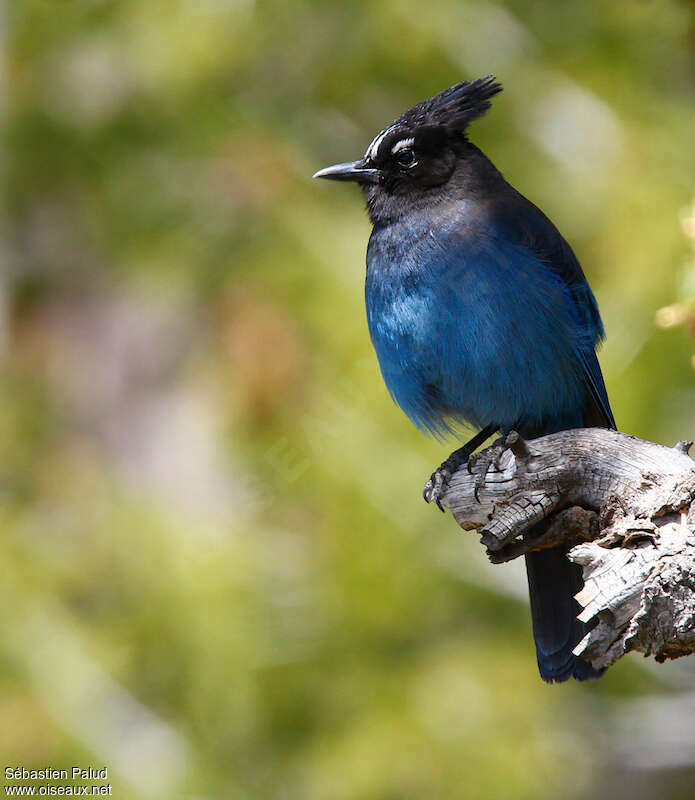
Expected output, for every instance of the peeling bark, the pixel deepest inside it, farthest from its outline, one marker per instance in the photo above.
(627, 506)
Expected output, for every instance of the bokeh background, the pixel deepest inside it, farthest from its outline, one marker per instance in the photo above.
(218, 578)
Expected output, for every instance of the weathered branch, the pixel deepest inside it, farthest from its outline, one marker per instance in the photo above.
(627, 509)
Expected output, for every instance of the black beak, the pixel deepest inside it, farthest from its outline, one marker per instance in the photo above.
(350, 171)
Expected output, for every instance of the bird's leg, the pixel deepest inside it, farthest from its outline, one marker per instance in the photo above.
(439, 480)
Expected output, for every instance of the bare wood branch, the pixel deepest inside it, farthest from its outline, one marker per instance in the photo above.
(627, 505)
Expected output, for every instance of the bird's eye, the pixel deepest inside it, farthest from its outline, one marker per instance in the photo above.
(405, 158)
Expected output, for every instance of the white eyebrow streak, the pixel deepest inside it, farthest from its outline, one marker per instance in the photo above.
(373, 148)
(402, 145)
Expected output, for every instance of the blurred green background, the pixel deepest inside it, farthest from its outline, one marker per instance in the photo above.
(218, 576)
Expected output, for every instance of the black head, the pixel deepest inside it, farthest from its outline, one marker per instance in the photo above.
(420, 149)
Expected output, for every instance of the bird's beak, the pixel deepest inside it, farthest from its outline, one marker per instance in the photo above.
(350, 171)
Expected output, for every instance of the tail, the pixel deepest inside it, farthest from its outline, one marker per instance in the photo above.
(553, 580)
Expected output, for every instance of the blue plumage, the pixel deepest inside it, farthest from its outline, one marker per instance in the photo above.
(470, 326)
(479, 313)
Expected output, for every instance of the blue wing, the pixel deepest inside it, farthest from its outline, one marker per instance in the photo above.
(527, 225)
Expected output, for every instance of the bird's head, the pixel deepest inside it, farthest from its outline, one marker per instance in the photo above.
(420, 149)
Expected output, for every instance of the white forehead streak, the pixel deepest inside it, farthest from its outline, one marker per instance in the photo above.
(373, 148)
(402, 145)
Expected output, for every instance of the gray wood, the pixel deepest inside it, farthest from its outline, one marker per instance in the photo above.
(628, 508)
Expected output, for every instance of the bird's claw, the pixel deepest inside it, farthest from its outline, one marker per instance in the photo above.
(436, 487)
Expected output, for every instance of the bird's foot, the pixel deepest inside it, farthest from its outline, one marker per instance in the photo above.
(487, 460)
(436, 486)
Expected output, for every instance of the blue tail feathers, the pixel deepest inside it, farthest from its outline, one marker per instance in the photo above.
(553, 581)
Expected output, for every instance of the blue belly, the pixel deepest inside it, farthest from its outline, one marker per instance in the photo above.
(468, 328)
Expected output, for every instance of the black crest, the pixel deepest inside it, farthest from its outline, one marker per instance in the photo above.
(454, 108)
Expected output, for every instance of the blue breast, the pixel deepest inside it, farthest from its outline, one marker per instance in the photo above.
(471, 327)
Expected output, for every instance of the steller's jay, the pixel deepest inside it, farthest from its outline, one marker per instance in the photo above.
(480, 314)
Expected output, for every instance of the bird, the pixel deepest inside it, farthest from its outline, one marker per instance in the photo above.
(480, 315)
